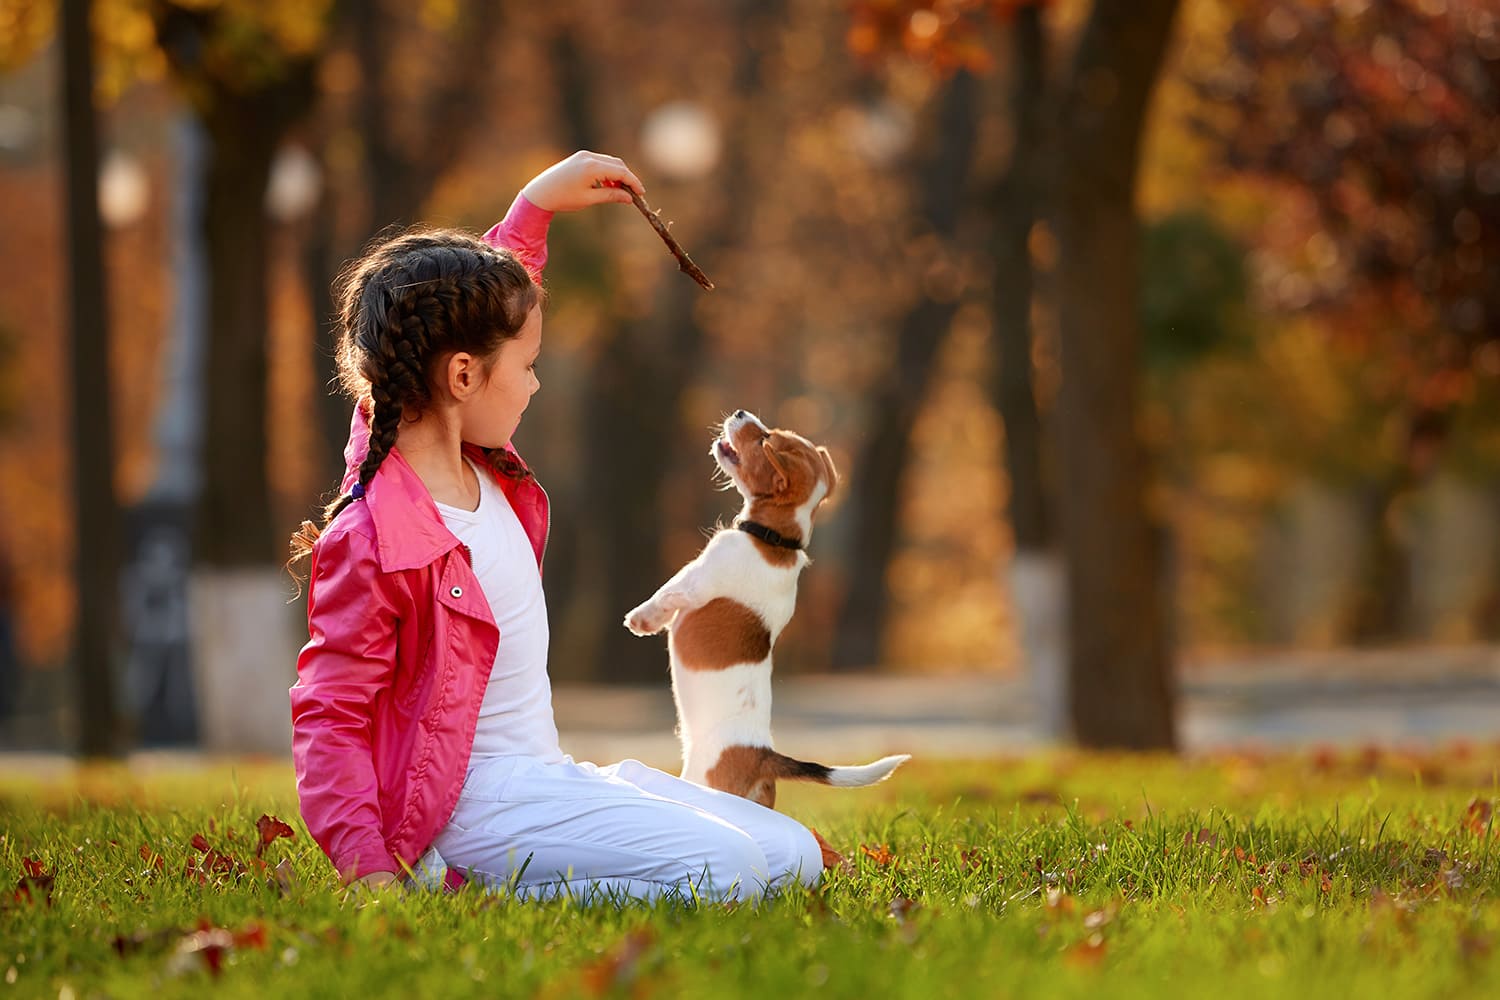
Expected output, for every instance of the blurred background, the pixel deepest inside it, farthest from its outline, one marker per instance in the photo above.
(1158, 342)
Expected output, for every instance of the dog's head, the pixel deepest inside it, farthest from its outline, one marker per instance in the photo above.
(777, 466)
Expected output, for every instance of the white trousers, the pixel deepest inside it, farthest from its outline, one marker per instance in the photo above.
(626, 830)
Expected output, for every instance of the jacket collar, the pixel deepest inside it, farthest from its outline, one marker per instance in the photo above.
(409, 531)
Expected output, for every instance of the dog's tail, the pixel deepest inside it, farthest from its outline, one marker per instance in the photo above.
(783, 766)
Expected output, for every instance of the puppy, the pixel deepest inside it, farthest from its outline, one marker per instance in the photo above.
(725, 609)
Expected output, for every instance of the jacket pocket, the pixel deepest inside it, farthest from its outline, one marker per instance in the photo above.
(487, 780)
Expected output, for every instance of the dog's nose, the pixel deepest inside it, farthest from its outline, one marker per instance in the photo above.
(740, 414)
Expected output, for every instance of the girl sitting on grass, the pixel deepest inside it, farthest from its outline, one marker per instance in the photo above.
(423, 733)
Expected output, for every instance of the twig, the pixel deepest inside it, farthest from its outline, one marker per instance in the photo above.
(684, 262)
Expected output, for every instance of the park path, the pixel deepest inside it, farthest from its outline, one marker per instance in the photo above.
(1403, 697)
(1416, 697)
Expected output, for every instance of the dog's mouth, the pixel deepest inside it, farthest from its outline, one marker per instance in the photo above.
(726, 452)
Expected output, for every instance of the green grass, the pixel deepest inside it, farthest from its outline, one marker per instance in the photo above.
(1366, 873)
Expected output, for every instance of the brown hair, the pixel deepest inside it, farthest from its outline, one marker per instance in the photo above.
(411, 300)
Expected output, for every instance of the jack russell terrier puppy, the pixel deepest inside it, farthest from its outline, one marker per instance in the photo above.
(725, 609)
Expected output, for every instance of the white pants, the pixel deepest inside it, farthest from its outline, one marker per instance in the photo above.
(626, 830)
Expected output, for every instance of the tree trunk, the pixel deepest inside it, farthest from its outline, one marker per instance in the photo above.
(941, 182)
(96, 569)
(1015, 207)
(233, 523)
(1121, 691)
(1035, 572)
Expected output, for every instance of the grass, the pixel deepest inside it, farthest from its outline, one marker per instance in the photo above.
(1061, 875)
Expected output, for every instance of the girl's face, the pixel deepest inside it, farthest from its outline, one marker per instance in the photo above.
(490, 416)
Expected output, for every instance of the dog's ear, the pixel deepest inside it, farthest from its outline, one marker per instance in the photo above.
(778, 465)
(831, 470)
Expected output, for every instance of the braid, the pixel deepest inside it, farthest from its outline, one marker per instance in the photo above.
(405, 303)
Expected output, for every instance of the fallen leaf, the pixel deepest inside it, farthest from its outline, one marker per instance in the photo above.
(1472, 946)
(901, 907)
(270, 829)
(619, 966)
(1477, 819)
(880, 853)
(34, 876)
(831, 857)
(283, 877)
(201, 949)
(1204, 836)
(1089, 952)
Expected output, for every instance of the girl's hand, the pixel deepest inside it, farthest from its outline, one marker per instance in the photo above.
(582, 180)
(377, 880)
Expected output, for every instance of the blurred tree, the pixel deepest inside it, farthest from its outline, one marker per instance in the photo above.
(1383, 116)
(96, 559)
(1017, 206)
(940, 185)
(248, 72)
(396, 114)
(1121, 685)
(1119, 646)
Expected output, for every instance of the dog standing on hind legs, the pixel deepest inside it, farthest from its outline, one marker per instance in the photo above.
(725, 609)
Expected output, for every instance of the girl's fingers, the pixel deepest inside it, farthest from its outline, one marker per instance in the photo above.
(612, 168)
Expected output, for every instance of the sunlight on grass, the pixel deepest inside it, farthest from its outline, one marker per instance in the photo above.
(1059, 874)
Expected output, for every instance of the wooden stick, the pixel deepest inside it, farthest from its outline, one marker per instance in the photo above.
(684, 262)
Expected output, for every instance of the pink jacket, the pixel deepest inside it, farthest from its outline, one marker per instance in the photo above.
(400, 645)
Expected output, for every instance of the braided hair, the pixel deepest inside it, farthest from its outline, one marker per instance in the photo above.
(410, 301)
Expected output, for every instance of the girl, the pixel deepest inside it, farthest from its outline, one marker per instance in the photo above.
(423, 734)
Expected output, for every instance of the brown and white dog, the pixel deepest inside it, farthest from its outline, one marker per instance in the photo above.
(725, 609)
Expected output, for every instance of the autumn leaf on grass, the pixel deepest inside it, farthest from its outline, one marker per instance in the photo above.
(270, 828)
(880, 854)
(831, 857)
(34, 876)
(213, 863)
(283, 877)
(1088, 952)
(153, 860)
(1477, 819)
(1205, 836)
(620, 966)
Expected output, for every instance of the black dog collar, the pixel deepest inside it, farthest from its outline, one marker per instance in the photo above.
(768, 536)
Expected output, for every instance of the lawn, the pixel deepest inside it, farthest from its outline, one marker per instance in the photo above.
(1323, 873)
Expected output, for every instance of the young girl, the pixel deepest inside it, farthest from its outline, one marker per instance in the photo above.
(423, 733)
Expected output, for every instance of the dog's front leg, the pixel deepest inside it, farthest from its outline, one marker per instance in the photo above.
(678, 594)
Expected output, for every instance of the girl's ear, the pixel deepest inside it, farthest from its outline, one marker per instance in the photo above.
(462, 375)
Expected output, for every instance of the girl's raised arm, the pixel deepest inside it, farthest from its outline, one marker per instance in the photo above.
(581, 181)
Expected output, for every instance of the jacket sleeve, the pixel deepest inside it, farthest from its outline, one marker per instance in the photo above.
(524, 231)
(349, 659)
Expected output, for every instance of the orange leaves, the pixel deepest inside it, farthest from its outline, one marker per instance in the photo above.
(35, 876)
(215, 864)
(880, 854)
(1092, 949)
(1479, 820)
(620, 966)
(270, 828)
(208, 947)
(946, 35)
(831, 857)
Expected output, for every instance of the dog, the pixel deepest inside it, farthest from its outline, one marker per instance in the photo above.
(725, 609)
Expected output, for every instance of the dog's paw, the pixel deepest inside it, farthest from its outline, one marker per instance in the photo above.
(647, 620)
